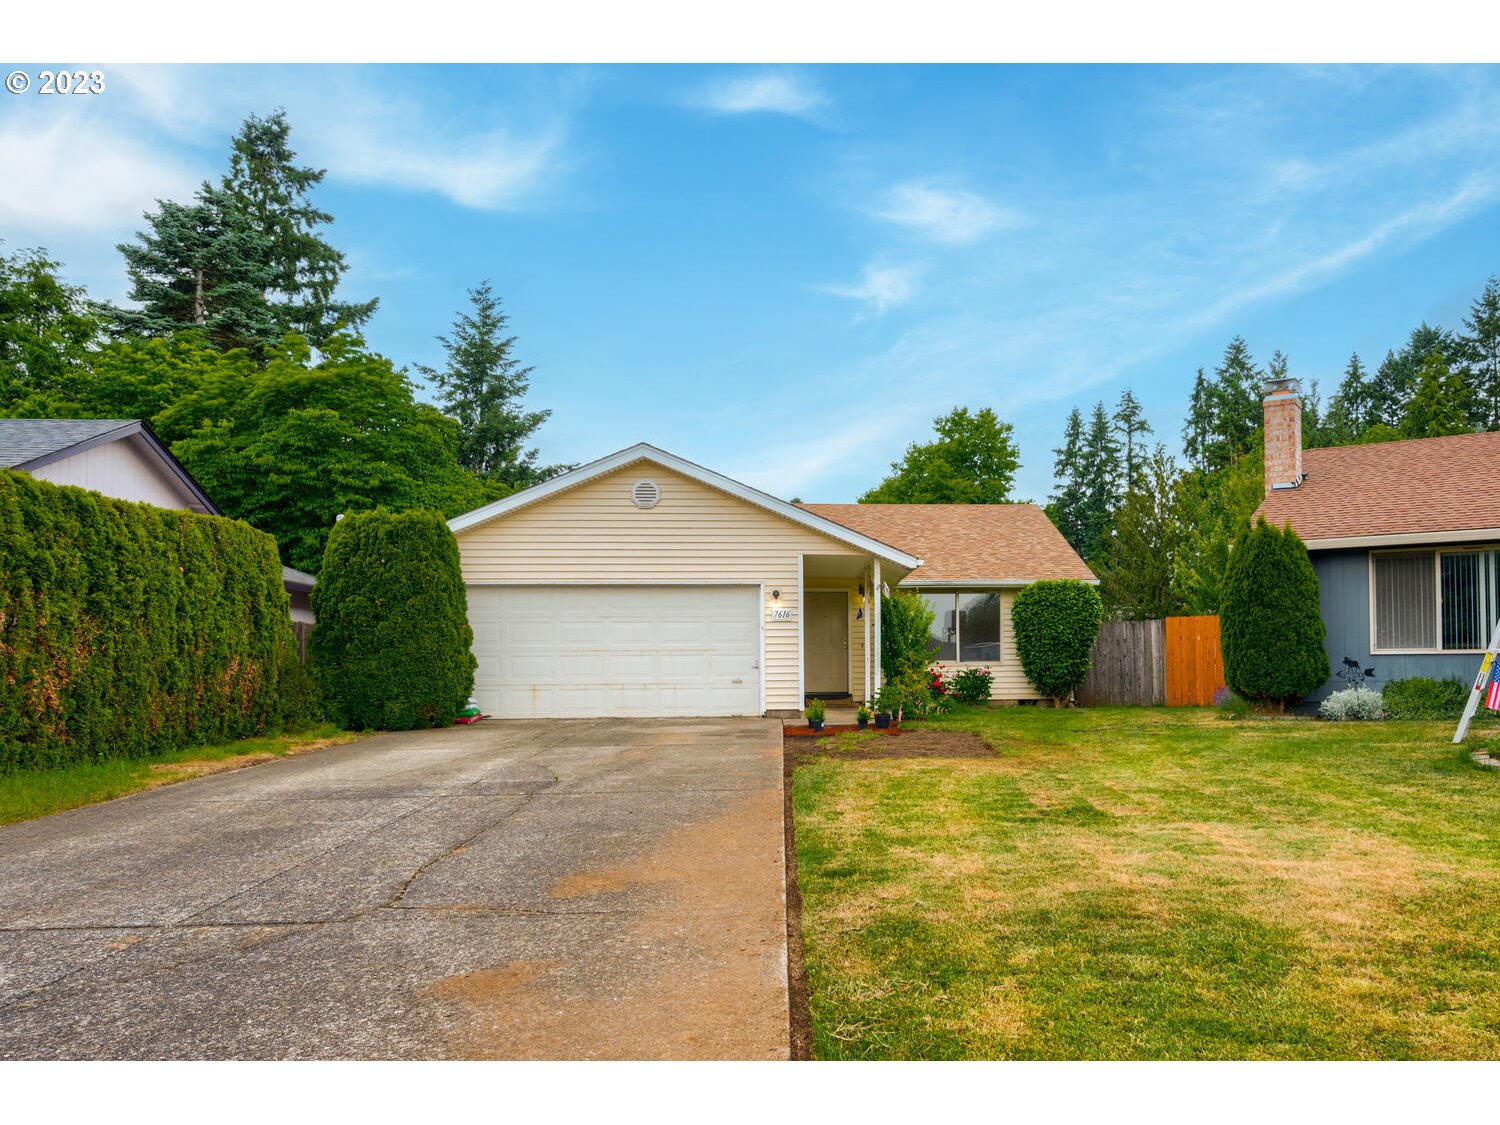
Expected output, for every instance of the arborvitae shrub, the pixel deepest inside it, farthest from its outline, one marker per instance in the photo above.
(1270, 625)
(905, 635)
(128, 630)
(1056, 622)
(391, 648)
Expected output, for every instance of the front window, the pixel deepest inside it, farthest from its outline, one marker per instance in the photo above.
(965, 627)
(1443, 601)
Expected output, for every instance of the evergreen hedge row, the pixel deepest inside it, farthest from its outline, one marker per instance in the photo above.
(128, 630)
(391, 649)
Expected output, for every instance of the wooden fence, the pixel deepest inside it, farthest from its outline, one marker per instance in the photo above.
(1129, 665)
(300, 630)
(1195, 669)
(1174, 662)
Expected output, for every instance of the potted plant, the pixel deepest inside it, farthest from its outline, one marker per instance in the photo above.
(862, 716)
(816, 713)
(887, 699)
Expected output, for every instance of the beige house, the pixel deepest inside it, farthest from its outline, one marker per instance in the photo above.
(643, 584)
(124, 459)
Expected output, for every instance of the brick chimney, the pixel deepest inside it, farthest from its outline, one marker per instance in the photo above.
(1283, 413)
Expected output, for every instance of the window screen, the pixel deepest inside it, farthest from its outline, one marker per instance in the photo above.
(979, 627)
(1470, 604)
(1405, 601)
(942, 644)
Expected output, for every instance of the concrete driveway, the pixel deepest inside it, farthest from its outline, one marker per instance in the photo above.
(581, 889)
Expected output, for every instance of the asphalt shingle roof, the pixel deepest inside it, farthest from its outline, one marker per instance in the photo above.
(1393, 488)
(26, 439)
(966, 542)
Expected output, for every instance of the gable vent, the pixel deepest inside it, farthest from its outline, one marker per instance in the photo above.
(645, 494)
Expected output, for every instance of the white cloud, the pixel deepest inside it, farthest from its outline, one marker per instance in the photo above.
(881, 286)
(948, 216)
(763, 93)
(73, 171)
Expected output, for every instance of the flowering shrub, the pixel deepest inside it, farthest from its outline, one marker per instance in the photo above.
(1352, 704)
(936, 685)
(971, 685)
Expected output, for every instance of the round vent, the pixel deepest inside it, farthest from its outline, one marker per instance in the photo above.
(645, 494)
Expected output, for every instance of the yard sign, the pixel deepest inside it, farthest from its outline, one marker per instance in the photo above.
(1489, 670)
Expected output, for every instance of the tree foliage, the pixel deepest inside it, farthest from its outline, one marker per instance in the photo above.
(48, 331)
(1441, 402)
(290, 446)
(1271, 625)
(1138, 566)
(1056, 622)
(482, 386)
(392, 643)
(973, 460)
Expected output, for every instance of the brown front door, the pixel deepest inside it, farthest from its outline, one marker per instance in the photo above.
(826, 639)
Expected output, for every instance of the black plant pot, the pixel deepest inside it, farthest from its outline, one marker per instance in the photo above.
(882, 720)
(816, 724)
(863, 723)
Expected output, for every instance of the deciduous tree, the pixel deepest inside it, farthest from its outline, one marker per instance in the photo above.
(973, 460)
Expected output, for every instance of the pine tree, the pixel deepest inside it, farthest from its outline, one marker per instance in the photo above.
(1482, 354)
(1236, 398)
(1440, 402)
(1067, 471)
(1137, 567)
(1099, 473)
(1395, 380)
(1349, 410)
(1130, 423)
(272, 191)
(1197, 431)
(201, 267)
(482, 387)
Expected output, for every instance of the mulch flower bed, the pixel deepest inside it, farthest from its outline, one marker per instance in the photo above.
(831, 728)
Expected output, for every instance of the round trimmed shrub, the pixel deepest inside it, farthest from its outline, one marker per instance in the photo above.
(1270, 626)
(391, 647)
(1056, 622)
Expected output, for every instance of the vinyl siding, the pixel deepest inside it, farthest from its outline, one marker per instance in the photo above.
(593, 534)
(1344, 594)
(1010, 682)
(120, 469)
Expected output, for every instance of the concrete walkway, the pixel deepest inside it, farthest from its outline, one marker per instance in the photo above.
(584, 889)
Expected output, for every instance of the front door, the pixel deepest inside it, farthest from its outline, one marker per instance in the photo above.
(827, 642)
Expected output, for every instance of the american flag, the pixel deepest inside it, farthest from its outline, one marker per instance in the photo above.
(1492, 696)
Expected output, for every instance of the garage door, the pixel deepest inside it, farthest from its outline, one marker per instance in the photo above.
(583, 651)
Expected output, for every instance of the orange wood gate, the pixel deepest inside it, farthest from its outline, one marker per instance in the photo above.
(1195, 670)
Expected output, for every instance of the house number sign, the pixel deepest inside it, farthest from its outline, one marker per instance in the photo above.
(781, 615)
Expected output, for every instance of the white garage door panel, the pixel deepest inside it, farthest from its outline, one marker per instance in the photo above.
(583, 651)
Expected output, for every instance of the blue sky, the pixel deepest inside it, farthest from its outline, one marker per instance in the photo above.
(786, 272)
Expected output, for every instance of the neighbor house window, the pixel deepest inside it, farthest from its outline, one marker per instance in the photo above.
(965, 627)
(1438, 601)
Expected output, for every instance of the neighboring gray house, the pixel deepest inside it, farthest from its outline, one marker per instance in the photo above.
(1404, 537)
(124, 459)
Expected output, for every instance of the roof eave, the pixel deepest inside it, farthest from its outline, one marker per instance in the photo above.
(1403, 539)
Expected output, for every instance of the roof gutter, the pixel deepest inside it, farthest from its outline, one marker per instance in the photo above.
(1410, 539)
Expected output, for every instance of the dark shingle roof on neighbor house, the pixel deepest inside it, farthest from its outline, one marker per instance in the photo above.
(1426, 486)
(25, 440)
(987, 544)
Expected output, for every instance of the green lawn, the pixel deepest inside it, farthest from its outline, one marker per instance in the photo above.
(1145, 884)
(41, 792)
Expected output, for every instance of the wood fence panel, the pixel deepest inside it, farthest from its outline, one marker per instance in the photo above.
(1128, 666)
(300, 630)
(1195, 668)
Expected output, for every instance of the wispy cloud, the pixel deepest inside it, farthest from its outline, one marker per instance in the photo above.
(76, 172)
(944, 215)
(880, 286)
(767, 92)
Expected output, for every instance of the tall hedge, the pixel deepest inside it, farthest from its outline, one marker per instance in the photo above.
(128, 630)
(392, 644)
(905, 635)
(1271, 628)
(1056, 622)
